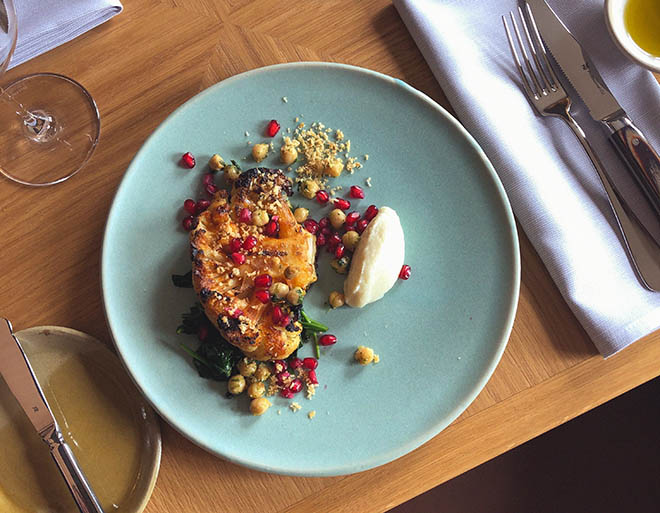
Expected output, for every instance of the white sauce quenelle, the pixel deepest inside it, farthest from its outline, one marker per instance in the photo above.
(377, 260)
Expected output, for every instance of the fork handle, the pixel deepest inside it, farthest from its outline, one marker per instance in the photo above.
(639, 156)
(641, 248)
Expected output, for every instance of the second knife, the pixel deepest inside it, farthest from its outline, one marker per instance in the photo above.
(630, 143)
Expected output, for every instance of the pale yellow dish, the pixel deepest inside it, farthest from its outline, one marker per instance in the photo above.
(111, 430)
(377, 260)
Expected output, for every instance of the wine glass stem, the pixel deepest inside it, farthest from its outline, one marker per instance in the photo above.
(38, 124)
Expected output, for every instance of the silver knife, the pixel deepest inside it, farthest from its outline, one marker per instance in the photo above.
(19, 376)
(629, 142)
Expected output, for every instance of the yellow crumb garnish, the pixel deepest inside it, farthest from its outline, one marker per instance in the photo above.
(295, 406)
(311, 414)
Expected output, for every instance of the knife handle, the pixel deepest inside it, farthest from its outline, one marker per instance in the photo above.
(75, 480)
(639, 156)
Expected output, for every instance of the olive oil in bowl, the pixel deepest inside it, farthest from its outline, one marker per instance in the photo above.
(642, 21)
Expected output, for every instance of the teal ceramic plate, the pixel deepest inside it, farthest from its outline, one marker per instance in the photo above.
(439, 335)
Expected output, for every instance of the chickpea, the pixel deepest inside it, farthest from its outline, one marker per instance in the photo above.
(288, 154)
(337, 218)
(300, 214)
(246, 367)
(260, 218)
(295, 296)
(309, 188)
(216, 163)
(262, 373)
(341, 265)
(336, 299)
(260, 151)
(290, 272)
(256, 389)
(334, 168)
(279, 289)
(236, 384)
(259, 406)
(350, 239)
(364, 355)
(232, 172)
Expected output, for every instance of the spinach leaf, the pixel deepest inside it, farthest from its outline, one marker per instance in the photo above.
(183, 280)
(215, 357)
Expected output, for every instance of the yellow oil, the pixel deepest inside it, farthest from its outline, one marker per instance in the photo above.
(642, 20)
(86, 400)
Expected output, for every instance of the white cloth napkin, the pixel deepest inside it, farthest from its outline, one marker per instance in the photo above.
(45, 24)
(552, 186)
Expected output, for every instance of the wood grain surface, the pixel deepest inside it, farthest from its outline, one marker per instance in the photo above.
(139, 67)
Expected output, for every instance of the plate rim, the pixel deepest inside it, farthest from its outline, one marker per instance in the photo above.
(502, 338)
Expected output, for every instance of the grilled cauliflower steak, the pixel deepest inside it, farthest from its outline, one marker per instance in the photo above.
(226, 261)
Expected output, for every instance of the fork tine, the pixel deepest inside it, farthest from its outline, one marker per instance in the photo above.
(514, 53)
(546, 83)
(539, 90)
(539, 42)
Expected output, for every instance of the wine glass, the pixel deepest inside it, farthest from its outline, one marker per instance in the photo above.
(49, 124)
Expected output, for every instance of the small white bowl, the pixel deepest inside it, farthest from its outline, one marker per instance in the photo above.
(614, 10)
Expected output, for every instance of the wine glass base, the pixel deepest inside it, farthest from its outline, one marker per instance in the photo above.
(49, 127)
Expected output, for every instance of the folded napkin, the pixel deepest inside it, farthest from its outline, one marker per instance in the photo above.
(45, 24)
(553, 188)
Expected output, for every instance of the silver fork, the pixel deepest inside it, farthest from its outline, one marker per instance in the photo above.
(549, 98)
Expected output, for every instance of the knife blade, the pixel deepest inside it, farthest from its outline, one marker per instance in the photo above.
(631, 145)
(17, 372)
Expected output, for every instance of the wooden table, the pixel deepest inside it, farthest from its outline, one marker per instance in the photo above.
(152, 58)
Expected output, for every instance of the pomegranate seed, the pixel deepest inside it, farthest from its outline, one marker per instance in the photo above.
(262, 295)
(339, 251)
(404, 274)
(280, 365)
(326, 231)
(356, 192)
(311, 376)
(190, 206)
(324, 223)
(201, 206)
(238, 258)
(272, 128)
(286, 393)
(371, 212)
(245, 216)
(187, 223)
(271, 228)
(250, 242)
(202, 332)
(208, 179)
(310, 363)
(327, 340)
(352, 218)
(311, 226)
(361, 225)
(322, 197)
(282, 376)
(211, 189)
(277, 315)
(263, 281)
(235, 245)
(295, 363)
(320, 240)
(188, 160)
(285, 320)
(275, 218)
(342, 204)
(333, 241)
(237, 313)
(296, 386)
